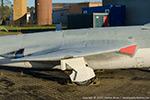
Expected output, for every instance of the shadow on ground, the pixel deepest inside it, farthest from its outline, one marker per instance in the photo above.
(37, 73)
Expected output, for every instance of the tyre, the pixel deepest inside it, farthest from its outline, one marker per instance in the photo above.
(84, 83)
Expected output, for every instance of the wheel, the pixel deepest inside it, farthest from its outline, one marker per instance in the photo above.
(84, 83)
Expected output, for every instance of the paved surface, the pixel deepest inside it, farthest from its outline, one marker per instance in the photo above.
(47, 84)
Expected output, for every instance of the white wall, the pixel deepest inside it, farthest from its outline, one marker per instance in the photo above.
(60, 16)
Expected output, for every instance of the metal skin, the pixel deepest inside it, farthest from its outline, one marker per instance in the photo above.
(82, 50)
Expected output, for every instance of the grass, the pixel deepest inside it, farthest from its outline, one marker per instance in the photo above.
(2, 33)
(31, 27)
(21, 28)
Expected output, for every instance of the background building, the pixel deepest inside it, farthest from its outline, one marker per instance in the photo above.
(59, 6)
(60, 16)
(61, 11)
(117, 13)
(76, 8)
(43, 10)
(19, 9)
(137, 11)
(28, 16)
(93, 20)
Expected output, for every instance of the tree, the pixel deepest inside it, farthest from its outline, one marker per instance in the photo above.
(5, 12)
(32, 8)
(28, 9)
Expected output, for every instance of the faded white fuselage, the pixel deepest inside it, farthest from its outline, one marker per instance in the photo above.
(78, 38)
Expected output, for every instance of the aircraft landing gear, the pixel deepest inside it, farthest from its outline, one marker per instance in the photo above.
(81, 74)
(91, 82)
(84, 83)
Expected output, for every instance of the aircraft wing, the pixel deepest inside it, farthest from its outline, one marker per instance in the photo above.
(91, 48)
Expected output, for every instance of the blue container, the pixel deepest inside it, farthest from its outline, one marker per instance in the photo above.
(117, 13)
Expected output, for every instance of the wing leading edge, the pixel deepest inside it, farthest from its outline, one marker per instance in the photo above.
(92, 48)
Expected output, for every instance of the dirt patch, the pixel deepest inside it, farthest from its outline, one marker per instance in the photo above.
(114, 83)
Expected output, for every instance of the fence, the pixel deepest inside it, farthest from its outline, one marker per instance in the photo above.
(20, 23)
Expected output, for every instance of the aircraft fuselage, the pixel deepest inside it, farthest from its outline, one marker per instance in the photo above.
(53, 41)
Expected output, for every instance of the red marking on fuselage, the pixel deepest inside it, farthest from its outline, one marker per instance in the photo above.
(129, 50)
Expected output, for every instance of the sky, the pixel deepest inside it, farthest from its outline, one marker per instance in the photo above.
(31, 2)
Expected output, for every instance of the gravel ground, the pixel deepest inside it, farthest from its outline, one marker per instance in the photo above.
(45, 84)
